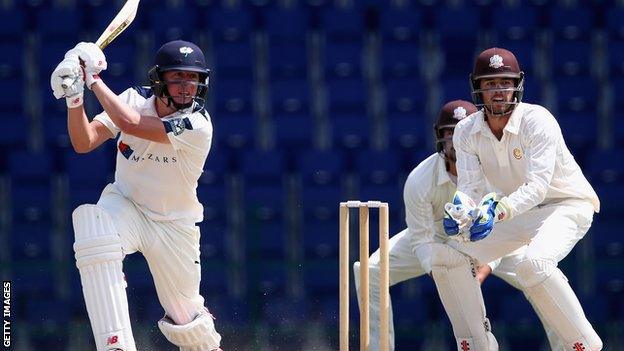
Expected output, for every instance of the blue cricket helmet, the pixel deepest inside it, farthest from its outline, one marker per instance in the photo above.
(179, 55)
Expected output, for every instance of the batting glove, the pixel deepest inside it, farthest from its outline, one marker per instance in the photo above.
(68, 70)
(91, 58)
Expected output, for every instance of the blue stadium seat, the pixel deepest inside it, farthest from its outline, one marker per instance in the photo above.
(343, 24)
(92, 169)
(287, 24)
(400, 24)
(263, 166)
(233, 96)
(516, 308)
(31, 240)
(51, 22)
(412, 311)
(288, 60)
(607, 244)
(614, 25)
(343, 60)
(265, 225)
(230, 24)
(172, 23)
(51, 313)
(290, 96)
(12, 24)
(572, 22)
(610, 195)
(458, 40)
(350, 131)
(377, 167)
(605, 166)
(33, 280)
(214, 227)
(11, 65)
(233, 60)
(571, 57)
(235, 131)
(292, 122)
(293, 132)
(615, 53)
(347, 95)
(279, 310)
(270, 278)
(321, 167)
(577, 99)
(515, 24)
(400, 60)
(456, 87)
(121, 71)
(321, 276)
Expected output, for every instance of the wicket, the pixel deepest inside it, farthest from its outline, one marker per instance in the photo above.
(345, 266)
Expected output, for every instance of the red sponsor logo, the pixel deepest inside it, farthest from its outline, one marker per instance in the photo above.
(578, 346)
(501, 216)
(112, 340)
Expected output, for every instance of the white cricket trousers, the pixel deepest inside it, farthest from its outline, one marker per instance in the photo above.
(405, 265)
(171, 249)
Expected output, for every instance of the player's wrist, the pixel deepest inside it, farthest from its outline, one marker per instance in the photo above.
(74, 101)
(503, 210)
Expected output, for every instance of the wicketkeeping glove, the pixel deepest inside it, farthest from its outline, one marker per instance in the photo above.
(457, 216)
(485, 216)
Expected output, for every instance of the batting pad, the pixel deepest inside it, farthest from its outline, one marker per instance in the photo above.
(98, 258)
(198, 335)
(459, 290)
(550, 293)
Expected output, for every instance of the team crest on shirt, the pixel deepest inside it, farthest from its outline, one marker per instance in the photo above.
(517, 153)
(177, 126)
(496, 61)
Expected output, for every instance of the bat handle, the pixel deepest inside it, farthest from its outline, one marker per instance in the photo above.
(67, 82)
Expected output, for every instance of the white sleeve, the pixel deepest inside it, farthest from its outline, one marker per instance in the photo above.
(470, 178)
(418, 214)
(189, 133)
(541, 154)
(103, 117)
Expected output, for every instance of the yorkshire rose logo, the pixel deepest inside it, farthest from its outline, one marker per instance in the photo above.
(496, 61)
(185, 50)
(459, 112)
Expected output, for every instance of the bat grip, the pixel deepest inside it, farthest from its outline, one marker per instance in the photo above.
(67, 82)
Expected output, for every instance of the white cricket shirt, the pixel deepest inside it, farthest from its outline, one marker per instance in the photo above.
(161, 179)
(427, 188)
(531, 164)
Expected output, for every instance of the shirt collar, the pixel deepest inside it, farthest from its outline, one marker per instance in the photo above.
(442, 174)
(150, 108)
(512, 126)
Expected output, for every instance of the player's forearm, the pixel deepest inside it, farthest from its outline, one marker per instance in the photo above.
(81, 134)
(124, 117)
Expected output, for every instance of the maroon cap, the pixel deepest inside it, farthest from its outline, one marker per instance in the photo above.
(496, 62)
(451, 113)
